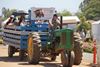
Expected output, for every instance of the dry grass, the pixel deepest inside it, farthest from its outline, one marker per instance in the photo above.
(1, 41)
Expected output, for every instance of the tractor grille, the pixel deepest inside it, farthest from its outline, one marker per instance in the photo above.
(63, 38)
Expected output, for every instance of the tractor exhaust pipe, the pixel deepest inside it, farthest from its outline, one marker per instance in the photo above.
(61, 22)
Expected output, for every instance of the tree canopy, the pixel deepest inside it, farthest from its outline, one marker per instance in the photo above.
(84, 25)
(91, 9)
(64, 13)
(7, 12)
(79, 14)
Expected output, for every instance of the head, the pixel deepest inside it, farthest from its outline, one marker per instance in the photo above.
(55, 16)
(12, 16)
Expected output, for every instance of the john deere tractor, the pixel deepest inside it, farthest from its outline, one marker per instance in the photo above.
(34, 36)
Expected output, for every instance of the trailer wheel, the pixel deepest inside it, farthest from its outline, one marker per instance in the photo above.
(33, 48)
(11, 51)
(21, 55)
(78, 51)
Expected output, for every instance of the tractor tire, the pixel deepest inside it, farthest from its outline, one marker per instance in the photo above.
(78, 51)
(64, 59)
(11, 51)
(71, 59)
(21, 55)
(67, 59)
(53, 58)
(34, 43)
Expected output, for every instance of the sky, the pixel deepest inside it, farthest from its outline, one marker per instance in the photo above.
(59, 5)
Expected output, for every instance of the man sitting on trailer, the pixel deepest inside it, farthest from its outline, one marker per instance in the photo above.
(21, 20)
(10, 21)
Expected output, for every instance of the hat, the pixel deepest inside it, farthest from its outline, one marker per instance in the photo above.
(55, 15)
(12, 16)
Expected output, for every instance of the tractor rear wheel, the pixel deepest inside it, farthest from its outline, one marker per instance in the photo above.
(11, 51)
(34, 48)
(77, 49)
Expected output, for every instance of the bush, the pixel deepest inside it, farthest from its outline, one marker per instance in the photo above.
(87, 47)
(89, 50)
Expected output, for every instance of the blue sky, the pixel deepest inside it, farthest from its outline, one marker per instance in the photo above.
(70, 5)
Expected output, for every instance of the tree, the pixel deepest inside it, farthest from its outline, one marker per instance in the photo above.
(7, 12)
(64, 13)
(79, 14)
(84, 25)
(91, 9)
(83, 4)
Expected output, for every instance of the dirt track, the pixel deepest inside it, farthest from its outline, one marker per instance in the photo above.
(14, 62)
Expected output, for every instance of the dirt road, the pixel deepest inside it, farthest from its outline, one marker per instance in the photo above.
(14, 62)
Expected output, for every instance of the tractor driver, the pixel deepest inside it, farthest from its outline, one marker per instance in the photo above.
(55, 23)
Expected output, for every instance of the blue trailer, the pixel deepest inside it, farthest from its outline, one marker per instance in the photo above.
(17, 36)
(35, 28)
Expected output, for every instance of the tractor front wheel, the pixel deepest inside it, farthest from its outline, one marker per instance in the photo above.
(64, 59)
(71, 59)
(67, 59)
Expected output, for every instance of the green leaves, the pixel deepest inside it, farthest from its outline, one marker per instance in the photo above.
(64, 13)
(91, 9)
(84, 25)
(7, 12)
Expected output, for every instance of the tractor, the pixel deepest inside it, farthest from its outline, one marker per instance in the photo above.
(30, 34)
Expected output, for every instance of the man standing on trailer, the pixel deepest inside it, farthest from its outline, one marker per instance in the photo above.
(55, 22)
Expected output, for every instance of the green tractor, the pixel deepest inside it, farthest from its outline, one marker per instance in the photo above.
(61, 41)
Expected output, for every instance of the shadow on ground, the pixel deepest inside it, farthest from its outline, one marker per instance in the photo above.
(46, 64)
(43, 61)
(92, 65)
(13, 59)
